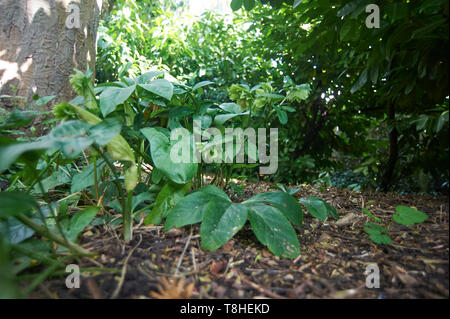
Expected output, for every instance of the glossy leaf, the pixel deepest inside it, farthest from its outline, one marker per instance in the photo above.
(221, 221)
(274, 230)
(284, 202)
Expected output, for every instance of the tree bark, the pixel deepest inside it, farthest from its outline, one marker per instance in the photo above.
(39, 49)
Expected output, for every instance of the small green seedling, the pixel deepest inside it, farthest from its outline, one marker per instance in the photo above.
(405, 216)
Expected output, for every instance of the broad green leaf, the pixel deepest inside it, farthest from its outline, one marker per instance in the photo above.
(14, 203)
(284, 202)
(105, 131)
(14, 231)
(274, 230)
(160, 147)
(231, 108)
(16, 119)
(205, 121)
(143, 78)
(249, 4)
(10, 153)
(222, 118)
(221, 221)
(70, 137)
(170, 194)
(214, 191)
(282, 116)
(236, 4)
(201, 84)
(409, 216)
(57, 178)
(159, 87)
(112, 96)
(120, 150)
(80, 220)
(191, 208)
(315, 207)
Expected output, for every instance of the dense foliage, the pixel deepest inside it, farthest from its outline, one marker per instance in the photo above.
(354, 107)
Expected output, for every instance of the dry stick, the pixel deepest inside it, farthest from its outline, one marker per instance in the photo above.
(124, 270)
(184, 251)
(261, 289)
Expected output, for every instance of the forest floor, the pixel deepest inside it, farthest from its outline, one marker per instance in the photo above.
(332, 264)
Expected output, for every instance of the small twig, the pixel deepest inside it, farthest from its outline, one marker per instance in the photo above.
(124, 270)
(182, 254)
(261, 289)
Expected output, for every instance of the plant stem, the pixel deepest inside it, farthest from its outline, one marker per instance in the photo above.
(43, 231)
(126, 214)
(127, 217)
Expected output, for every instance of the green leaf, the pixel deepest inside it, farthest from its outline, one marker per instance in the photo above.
(296, 3)
(231, 108)
(70, 137)
(112, 96)
(284, 202)
(15, 203)
(45, 100)
(131, 178)
(57, 178)
(159, 87)
(81, 181)
(409, 216)
(201, 84)
(14, 231)
(274, 230)
(169, 195)
(315, 207)
(221, 221)
(377, 234)
(249, 4)
(236, 4)
(371, 216)
(282, 116)
(360, 82)
(348, 8)
(191, 208)
(105, 131)
(80, 220)
(346, 30)
(160, 147)
(16, 119)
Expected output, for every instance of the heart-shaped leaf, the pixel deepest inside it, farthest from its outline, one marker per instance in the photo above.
(409, 216)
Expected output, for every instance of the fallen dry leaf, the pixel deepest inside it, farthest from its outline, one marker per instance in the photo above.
(176, 290)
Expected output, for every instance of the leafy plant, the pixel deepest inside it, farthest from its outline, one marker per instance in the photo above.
(270, 215)
(407, 216)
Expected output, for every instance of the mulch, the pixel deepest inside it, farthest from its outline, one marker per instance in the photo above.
(332, 264)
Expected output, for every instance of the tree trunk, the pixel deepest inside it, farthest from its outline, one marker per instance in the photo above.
(41, 42)
(386, 180)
